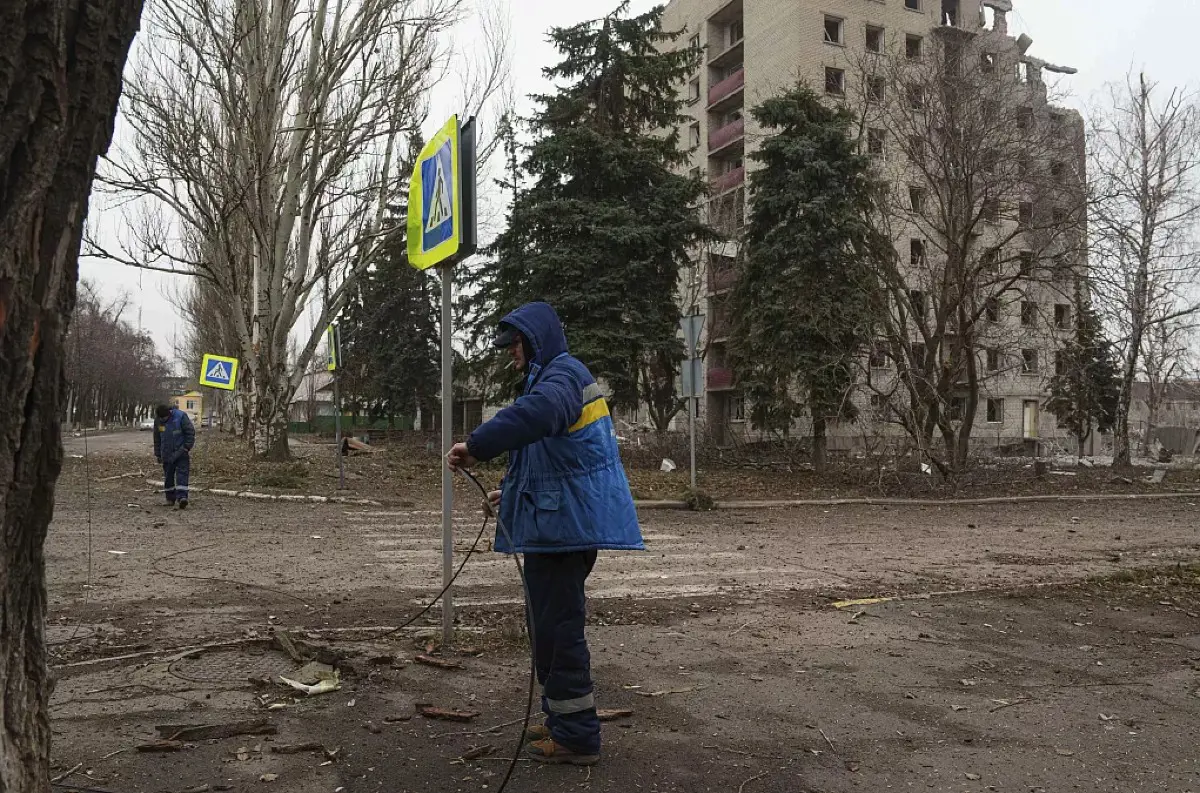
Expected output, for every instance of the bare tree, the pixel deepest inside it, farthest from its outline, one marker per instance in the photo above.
(1144, 162)
(209, 330)
(114, 372)
(1168, 360)
(984, 202)
(60, 79)
(271, 175)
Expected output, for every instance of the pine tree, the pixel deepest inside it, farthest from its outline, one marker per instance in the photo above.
(391, 340)
(801, 310)
(605, 222)
(1085, 390)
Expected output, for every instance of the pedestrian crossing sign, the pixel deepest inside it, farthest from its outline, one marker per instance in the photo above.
(217, 371)
(434, 201)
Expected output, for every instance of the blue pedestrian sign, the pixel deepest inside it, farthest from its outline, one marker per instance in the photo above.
(217, 371)
(435, 225)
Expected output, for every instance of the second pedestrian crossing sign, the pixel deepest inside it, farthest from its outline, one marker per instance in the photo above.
(217, 371)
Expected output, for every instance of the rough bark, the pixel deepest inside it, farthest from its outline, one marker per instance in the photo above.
(60, 77)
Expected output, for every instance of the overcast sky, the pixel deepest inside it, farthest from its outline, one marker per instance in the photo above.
(1104, 39)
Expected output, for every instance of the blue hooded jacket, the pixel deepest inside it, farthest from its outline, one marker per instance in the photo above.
(565, 489)
(173, 436)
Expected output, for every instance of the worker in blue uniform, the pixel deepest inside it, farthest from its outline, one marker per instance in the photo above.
(174, 437)
(564, 497)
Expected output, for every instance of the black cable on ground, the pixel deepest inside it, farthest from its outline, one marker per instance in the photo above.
(154, 566)
(529, 629)
(434, 601)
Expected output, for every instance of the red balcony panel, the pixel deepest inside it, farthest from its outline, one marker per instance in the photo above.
(719, 378)
(727, 87)
(728, 181)
(719, 139)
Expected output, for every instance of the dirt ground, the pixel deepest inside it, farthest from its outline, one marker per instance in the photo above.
(1029, 647)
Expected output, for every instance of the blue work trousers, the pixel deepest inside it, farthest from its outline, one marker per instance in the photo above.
(558, 611)
(175, 477)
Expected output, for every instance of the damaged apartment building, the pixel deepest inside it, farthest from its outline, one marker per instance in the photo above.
(753, 49)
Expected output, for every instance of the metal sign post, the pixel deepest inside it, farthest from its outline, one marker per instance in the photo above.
(442, 231)
(334, 365)
(337, 432)
(692, 373)
(447, 442)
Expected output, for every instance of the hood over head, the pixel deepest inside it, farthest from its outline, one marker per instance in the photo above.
(540, 325)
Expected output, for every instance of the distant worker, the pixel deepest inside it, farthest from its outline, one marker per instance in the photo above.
(174, 437)
(564, 497)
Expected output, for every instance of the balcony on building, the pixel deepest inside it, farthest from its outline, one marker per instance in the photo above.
(730, 180)
(727, 18)
(727, 135)
(722, 274)
(720, 378)
(727, 213)
(720, 323)
(722, 52)
(728, 91)
(723, 55)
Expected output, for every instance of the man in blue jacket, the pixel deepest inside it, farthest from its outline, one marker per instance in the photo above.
(174, 437)
(565, 497)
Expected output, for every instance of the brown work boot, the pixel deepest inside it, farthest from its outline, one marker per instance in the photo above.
(538, 732)
(547, 751)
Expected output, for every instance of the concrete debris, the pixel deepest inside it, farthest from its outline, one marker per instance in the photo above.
(313, 673)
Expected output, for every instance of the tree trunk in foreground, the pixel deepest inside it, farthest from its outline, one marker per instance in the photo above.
(60, 79)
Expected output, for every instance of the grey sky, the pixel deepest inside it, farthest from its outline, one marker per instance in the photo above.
(1104, 39)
